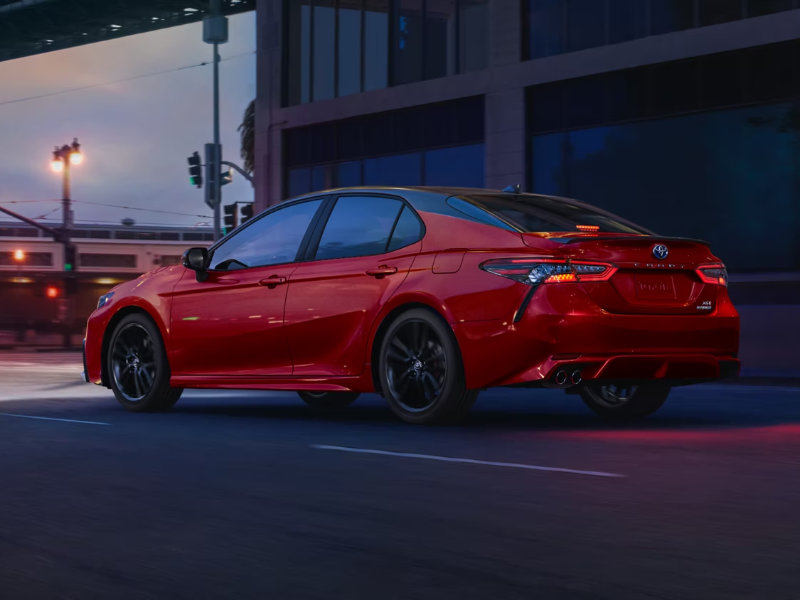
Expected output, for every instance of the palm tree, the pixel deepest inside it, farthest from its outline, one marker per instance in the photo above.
(248, 136)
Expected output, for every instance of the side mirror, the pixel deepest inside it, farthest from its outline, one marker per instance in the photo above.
(197, 259)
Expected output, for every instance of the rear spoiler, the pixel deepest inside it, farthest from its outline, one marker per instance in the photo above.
(627, 238)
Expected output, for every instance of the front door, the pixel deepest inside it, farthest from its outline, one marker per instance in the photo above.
(231, 323)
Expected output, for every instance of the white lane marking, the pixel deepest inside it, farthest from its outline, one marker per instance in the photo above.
(471, 461)
(53, 419)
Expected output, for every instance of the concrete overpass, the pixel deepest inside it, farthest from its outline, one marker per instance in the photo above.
(35, 26)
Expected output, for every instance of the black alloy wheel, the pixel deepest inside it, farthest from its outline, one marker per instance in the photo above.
(138, 368)
(421, 373)
(328, 400)
(624, 401)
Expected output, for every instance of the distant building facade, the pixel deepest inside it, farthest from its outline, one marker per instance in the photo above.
(33, 288)
(683, 115)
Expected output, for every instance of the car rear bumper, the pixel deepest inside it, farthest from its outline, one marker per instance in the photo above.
(674, 368)
(599, 345)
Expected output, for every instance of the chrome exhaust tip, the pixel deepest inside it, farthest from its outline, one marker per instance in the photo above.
(576, 378)
(560, 377)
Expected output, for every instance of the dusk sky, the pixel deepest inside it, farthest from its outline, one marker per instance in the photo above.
(147, 109)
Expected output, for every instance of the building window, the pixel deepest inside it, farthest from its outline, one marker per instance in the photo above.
(29, 259)
(6, 231)
(435, 144)
(167, 260)
(720, 153)
(557, 26)
(339, 47)
(107, 260)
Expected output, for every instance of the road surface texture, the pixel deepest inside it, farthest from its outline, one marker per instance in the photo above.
(254, 495)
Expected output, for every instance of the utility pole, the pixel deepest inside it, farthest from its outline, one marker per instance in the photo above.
(63, 158)
(215, 32)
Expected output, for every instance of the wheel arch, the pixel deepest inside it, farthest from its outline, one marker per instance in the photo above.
(388, 318)
(109, 331)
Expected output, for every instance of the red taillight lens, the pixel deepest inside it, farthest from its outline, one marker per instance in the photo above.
(715, 274)
(537, 271)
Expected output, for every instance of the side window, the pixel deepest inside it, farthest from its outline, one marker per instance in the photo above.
(407, 231)
(271, 240)
(358, 226)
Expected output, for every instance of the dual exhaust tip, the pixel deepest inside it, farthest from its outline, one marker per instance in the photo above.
(564, 379)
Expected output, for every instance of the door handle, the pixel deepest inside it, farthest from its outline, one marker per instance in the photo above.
(272, 281)
(382, 271)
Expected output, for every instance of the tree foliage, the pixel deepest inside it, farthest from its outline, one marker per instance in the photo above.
(247, 131)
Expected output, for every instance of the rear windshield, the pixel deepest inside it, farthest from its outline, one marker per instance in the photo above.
(538, 214)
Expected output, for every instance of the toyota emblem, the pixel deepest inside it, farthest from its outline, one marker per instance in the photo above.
(660, 251)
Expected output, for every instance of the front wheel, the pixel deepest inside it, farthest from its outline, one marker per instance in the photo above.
(420, 370)
(624, 401)
(328, 400)
(138, 368)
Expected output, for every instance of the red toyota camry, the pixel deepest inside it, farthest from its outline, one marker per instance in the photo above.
(426, 296)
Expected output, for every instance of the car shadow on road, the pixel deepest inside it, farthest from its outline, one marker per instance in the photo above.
(545, 416)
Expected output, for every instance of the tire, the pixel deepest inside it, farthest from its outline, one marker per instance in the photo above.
(420, 370)
(328, 400)
(138, 370)
(624, 401)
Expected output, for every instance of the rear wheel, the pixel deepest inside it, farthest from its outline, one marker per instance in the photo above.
(328, 400)
(420, 370)
(138, 368)
(624, 401)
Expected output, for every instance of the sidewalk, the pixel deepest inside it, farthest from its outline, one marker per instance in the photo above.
(38, 342)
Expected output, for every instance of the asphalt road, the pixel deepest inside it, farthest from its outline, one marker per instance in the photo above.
(253, 495)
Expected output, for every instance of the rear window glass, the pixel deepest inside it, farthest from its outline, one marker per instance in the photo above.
(538, 214)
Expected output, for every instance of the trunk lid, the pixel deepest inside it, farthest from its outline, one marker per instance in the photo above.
(646, 281)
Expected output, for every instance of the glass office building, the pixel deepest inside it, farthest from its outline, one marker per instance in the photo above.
(683, 115)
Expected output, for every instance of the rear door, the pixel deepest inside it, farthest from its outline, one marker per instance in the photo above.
(356, 263)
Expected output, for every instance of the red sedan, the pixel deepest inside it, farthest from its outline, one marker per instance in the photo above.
(426, 296)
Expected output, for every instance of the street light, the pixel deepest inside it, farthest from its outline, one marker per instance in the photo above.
(66, 155)
(63, 157)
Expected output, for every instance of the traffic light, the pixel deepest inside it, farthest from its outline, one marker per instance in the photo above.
(70, 258)
(231, 217)
(195, 171)
(247, 212)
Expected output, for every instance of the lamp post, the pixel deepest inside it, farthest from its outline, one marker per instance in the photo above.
(63, 158)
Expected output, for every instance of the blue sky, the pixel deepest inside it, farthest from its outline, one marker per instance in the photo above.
(144, 108)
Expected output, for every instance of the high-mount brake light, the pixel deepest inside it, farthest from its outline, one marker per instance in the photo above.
(589, 228)
(715, 274)
(536, 271)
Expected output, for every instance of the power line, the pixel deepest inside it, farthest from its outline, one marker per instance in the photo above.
(96, 85)
(153, 210)
(139, 208)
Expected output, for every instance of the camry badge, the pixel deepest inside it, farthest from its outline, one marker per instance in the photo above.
(660, 251)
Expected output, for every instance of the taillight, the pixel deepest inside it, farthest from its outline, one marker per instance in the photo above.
(536, 271)
(715, 274)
